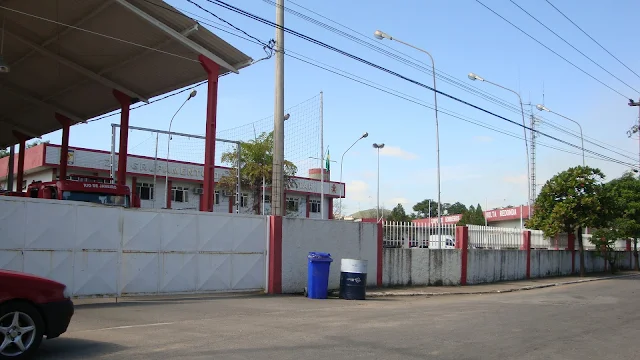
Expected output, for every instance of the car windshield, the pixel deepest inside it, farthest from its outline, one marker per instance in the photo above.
(98, 198)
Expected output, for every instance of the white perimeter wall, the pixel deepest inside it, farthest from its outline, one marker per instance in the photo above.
(420, 267)
(99, 250)
(484, 266)
(339, 238)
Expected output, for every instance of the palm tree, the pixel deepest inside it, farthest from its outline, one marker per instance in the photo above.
(256, 164)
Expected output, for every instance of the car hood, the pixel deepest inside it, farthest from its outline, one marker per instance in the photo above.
(28, 277)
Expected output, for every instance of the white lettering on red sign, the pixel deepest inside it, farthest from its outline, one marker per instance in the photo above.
(100, 186)
(508, 212)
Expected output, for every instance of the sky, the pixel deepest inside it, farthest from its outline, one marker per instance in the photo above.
(478, 165)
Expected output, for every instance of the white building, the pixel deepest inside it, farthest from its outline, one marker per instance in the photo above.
(184, 181)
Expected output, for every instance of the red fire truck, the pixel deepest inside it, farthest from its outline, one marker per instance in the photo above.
(93, 189)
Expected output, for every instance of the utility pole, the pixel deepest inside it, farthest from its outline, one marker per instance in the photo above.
(277, 184)
(533, 161)
(322, 169)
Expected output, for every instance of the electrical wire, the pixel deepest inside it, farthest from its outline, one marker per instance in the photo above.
(548, 48)
(574, 48)
(426, 69)
(402, 58)
(594, 40)
(342, 52)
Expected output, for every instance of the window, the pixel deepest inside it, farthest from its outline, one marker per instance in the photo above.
(315, 206)
(180, 194)
(145, 191)
(267, 199)
(244, 200)
(98, 198)
(293, 204)
(216, 197)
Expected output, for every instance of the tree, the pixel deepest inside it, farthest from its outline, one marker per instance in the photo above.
(604, 240)
(626, 191)
(398, 214)
(422, 208)
(6, 152)
(457, 208)
(256, 159)
(472, 216)
(571, 200)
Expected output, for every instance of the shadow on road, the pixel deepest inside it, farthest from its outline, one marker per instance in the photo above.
(72, 348)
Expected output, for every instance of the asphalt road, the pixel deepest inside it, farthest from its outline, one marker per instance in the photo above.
(596, 320)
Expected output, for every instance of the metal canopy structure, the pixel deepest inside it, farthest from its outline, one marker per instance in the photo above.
(67, 59)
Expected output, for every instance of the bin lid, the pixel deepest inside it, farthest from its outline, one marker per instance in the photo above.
(319, 256)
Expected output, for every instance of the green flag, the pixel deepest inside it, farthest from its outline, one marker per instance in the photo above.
(327, 160)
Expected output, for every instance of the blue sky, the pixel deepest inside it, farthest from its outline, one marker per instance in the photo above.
(478, 165)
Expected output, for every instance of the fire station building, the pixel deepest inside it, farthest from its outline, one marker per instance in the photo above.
(181, 190)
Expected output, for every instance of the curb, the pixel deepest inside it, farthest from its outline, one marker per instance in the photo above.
(523, 288)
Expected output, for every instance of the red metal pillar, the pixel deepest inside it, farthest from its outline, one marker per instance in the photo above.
(22, 149)
(308, 206)
(526, 245)
(380, 241)
(64, 148)
(462, 243)
(275, 255)
(169, 192)
(125, 103)
(213, 70)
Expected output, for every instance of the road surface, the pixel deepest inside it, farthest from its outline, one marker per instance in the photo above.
(596, 320)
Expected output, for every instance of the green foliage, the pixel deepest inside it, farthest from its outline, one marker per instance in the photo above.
(575, 198)
(256, 164)
(472, 216)
(398, 214)
(457, 208)
(422, 208)
(572, 200)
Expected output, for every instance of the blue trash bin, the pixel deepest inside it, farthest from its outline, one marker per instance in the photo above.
(318, 275)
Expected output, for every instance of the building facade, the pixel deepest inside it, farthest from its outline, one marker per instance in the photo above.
(173, 184)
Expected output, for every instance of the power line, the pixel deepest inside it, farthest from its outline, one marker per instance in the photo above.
(295, 33)
(548, 48)
(594, 40)
(420, 65)
(568, 43)
(393, 54)
(342, 52)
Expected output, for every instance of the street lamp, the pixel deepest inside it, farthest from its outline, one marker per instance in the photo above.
(474, 77)
(543, 108)
(382, 35)
(342, 160)
(192, 94)
(378, 147)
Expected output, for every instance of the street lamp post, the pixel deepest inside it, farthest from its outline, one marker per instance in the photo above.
(192, 94)
(378, 147)
(381, 35)
(530, 196)
(342, 160)
(544, 108)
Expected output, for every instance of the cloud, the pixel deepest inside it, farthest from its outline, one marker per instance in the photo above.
(483, 139)
(398, 200)
(357, 190)
(519, 179)
(397, 152)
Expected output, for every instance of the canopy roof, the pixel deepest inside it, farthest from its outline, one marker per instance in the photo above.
(67, 57)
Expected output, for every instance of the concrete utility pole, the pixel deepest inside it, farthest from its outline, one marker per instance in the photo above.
(277, 183)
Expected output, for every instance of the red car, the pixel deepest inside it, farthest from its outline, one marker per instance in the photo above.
(30, 307)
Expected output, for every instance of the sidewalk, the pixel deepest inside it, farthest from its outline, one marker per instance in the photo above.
(494, 288)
